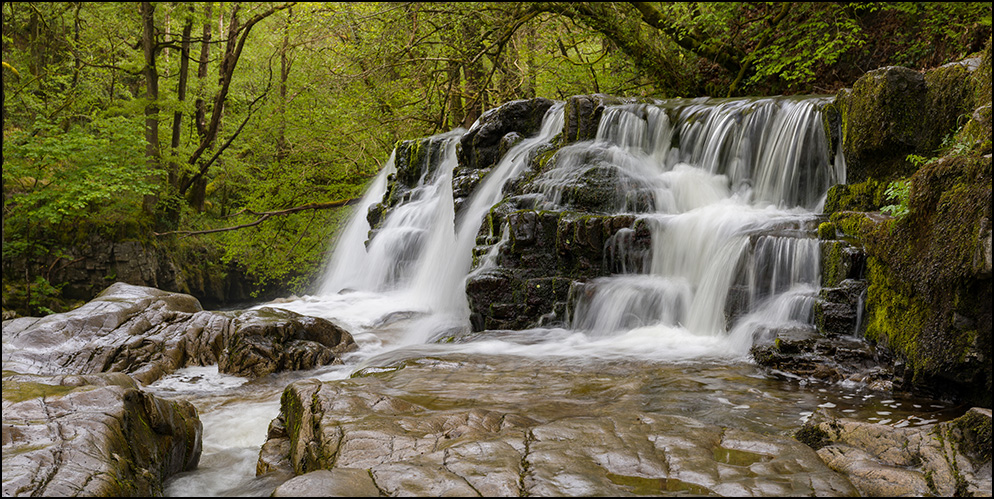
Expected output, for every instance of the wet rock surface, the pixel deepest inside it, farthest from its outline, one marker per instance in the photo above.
(547, 255)
(146, 333)
(805, 352)
(484, 144)
(416, 434)
(92, 435)
(946, 459)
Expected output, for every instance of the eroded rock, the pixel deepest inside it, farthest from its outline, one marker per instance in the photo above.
(147, 333)
(944, 459)
(412, 443)
(92, 435)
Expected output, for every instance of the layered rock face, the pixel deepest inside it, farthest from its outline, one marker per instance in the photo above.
(92, 435)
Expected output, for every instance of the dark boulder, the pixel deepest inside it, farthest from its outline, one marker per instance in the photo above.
(496, 131)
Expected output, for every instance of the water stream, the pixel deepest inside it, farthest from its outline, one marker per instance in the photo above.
(729, 190)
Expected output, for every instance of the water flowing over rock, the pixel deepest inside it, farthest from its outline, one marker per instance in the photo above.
(92, 435)
(145, 332)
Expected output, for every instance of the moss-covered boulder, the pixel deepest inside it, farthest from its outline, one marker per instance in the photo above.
(895, 111)
(93, 435)
(929, 298)
(881, 122)
(928, 270)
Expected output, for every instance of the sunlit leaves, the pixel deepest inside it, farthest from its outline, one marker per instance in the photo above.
(51, 176)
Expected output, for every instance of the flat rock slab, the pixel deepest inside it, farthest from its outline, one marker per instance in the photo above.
(446, 442)
(94, 435)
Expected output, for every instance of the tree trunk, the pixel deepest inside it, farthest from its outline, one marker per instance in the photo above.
(205, 54)
(184, 71)
(473, 90)
(282, 149)
(152, 151)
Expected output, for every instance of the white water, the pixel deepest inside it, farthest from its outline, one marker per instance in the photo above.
(712, 181)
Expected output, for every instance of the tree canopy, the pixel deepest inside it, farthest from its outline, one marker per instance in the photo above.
(135, 119)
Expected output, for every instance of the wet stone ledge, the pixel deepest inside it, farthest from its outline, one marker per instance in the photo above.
(92, 435)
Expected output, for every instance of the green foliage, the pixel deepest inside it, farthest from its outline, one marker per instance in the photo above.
(53, 176)
(58, 186)
(917, 160)
(899, 191)
(325, 90)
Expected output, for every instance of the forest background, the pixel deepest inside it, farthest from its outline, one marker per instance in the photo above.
(244, 130)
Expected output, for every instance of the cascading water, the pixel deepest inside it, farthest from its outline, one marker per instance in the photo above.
(725, 188)
(739, 171)
(728, 192)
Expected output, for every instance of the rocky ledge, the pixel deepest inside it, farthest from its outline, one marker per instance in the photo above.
(393, 433)
(947, 459)
(77, 423)
(92, 435)
(146, 333)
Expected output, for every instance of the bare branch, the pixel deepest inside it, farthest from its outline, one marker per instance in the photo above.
(263, 216)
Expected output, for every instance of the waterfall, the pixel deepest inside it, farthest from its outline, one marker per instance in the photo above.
(728, 190)
(345, 270)
(736, 174)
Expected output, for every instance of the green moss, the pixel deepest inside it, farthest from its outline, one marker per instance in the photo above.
(896, 316)
(832, 271)
(826, 231)
(853, 224)
(812, 436)
(19, 391)
(976, 430)
(881, 122)
(868, 195)
(982, 78)
(949, 97)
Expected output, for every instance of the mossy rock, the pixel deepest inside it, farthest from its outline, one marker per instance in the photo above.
(894, 111)
(812, 436)
(869, 195)
(881, 120)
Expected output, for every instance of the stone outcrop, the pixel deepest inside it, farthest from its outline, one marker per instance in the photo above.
(946, 459)
(925, 273)
(547, 255)
(92, 435)
(147, 333)
(368, 434)
(90, 265)
(829, 358)
(490, 137)
(895, 111)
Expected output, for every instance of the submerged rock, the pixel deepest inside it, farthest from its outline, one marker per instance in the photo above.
(147, 333)
(92, 435)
